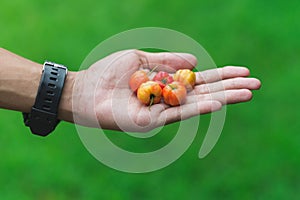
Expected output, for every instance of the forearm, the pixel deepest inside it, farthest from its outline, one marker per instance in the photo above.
(19, 82)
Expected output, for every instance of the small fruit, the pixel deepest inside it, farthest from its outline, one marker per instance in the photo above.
(137, 78)
(149, 93)
(186, 77)
(163, 78)
(174, 94)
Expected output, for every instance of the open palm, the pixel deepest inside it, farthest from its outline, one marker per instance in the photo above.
(102, 97)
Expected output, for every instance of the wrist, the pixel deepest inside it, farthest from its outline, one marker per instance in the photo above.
(65, 111)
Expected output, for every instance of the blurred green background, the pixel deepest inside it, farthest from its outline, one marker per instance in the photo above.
(258, 154)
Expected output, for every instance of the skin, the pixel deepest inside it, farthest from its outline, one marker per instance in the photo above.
(101, 97)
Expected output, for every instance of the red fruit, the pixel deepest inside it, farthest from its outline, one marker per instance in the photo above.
(136, 79)
(174, 94)
(163, 78)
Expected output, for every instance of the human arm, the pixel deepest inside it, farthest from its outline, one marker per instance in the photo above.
(19, 82)
(100, 96)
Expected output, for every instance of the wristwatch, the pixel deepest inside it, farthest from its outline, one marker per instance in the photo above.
(42, 119)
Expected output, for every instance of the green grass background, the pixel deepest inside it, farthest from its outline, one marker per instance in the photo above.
(258, 154)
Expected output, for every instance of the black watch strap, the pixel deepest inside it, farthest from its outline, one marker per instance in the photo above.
(42, 119)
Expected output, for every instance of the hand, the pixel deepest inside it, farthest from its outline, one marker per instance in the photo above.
(102, 98)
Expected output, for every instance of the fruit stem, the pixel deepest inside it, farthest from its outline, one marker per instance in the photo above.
(172, 87)
(151, 101)
(152, 70)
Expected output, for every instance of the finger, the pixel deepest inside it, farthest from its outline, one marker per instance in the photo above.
(167, 61)
(178, 113)
(225, 97)
(228, 84)
(218, 74)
